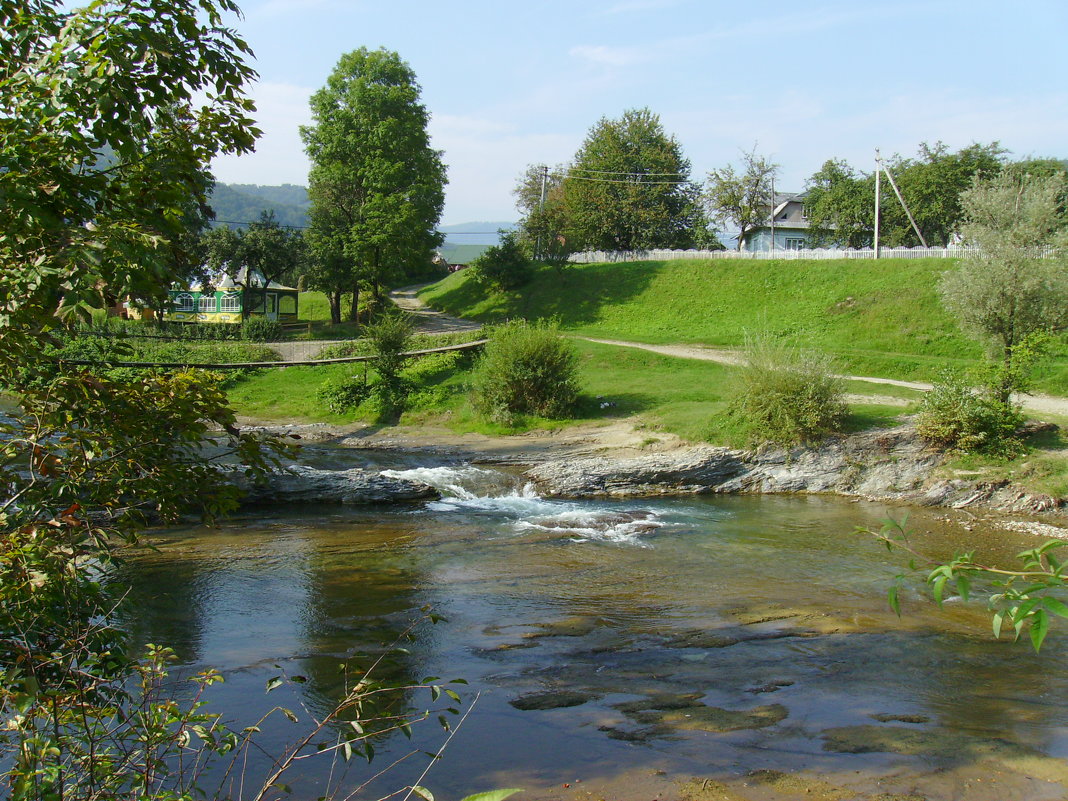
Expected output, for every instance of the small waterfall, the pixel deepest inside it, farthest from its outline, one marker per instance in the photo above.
(478, 491)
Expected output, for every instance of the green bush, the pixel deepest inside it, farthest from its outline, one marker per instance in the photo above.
(260, 329)
(956, 417)
(505, 266)
(526, 368)
(389, 337)
(342, 395)
(786, 395)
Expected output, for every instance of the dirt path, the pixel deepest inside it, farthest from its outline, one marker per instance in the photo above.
(427, 320)
(435, 322)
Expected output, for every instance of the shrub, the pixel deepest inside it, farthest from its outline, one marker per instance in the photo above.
(260, 329)
(785, 395)
(956, 417)
(389, 337)
(341, 395)
(526, 368)
(504, 266)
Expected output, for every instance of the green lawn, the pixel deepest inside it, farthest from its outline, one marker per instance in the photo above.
(680, 396)
(880, 318)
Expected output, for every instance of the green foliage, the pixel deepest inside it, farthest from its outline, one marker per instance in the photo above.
(526, 369)
(840, 201)
(742, 198)
(376, 185)
(344, 394)
(1011, 290)
(261, 329)
(104, 153)
(785, 395)
(255, 257)
(628, 188)
(503, 267)
(1027, 598)
(389, 337)
(956, 417)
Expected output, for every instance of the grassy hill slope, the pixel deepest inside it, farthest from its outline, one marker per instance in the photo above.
(879, 318)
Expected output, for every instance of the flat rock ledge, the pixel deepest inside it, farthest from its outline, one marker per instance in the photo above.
(300, 484)
(887, 464)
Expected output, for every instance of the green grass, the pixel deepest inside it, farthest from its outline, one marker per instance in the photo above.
(1043, 468)
(880, 318)
(680, 396)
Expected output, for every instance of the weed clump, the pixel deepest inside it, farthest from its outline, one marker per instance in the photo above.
(956, 417)
(786, 395)
(526, 369)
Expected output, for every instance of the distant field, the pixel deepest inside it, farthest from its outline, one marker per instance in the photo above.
(880, 318)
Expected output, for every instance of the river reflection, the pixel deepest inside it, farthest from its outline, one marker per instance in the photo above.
(623, 648)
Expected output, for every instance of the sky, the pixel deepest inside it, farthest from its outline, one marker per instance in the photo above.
(509, 84)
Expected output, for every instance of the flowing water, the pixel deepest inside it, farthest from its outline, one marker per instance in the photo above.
(619, 649)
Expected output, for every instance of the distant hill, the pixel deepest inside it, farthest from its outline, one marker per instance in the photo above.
(237, 205)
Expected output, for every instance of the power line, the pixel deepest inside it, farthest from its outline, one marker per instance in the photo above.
(620, 172)
(632, 183)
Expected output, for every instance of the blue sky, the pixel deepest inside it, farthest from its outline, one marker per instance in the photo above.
(510, 84)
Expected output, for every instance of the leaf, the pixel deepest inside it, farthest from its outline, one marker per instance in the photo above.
(937, 588)
(1039, 628)
(997, 621)
(455, 696)
(285, 788)
(435, 692)
(422, 792)
(891, 597)
(493, 795)
(1056, 606)
(289, 714)
(275, 683)
(346, 750)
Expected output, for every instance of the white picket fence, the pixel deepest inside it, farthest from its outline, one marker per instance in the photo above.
(918, 252)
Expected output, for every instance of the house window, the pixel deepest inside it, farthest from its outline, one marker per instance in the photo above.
(207, 303)
(183, 301)
(231, 303)
(287, 304)
(804, 212)
(795, 243)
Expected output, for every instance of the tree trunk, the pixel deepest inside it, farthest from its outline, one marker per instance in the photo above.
(335, 307)
(354, 309)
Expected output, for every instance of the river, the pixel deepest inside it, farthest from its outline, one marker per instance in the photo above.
(704, 648)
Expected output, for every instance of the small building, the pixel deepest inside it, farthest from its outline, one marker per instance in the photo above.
(229, 300)
(791, 226)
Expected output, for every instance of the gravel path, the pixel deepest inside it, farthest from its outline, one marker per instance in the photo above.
(427, 320)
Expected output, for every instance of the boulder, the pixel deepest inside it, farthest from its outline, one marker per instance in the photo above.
(301, 484)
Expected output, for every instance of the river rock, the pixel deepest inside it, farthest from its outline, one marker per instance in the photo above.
(885, 463)
(301, 484)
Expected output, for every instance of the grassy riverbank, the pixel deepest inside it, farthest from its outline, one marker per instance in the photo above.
(879, 318)
(677, 396)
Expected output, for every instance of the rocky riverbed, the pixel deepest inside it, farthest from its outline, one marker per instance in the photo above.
(620, 461)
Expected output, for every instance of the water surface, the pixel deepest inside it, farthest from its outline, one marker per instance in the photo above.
(621, 648)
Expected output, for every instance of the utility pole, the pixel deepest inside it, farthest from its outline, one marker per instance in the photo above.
(772, 246)
(878, 192)
(541, 205)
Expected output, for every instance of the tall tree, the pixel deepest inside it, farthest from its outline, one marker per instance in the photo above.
(629, 187)
(1011, 289)
(741, 197)
(376, 185)
(157, 85)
